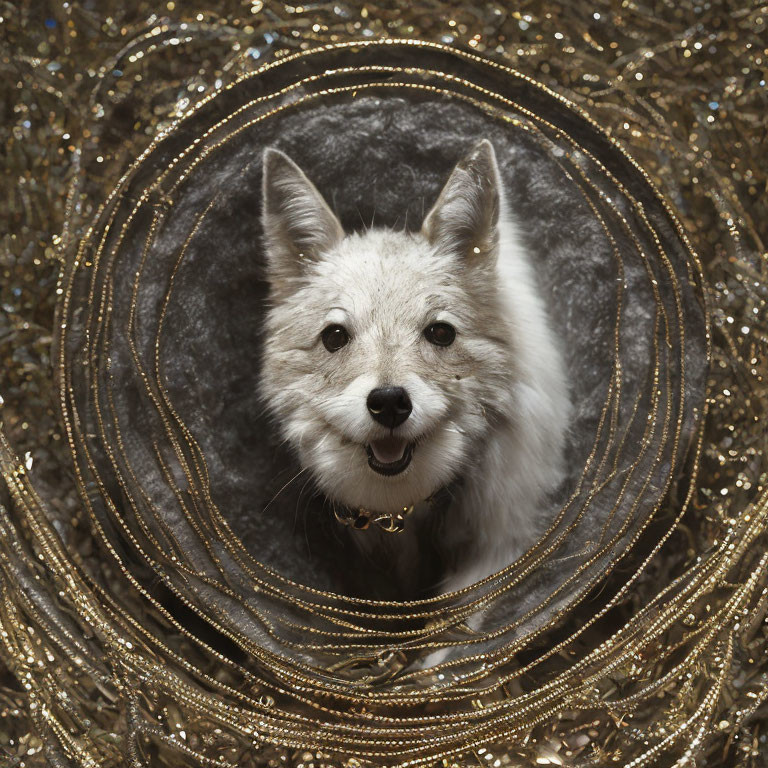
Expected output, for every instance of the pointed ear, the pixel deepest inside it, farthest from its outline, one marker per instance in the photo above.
(298, 224)
(465, 218)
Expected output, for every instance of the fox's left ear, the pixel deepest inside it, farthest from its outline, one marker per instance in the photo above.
(465, 218)
(298, 224)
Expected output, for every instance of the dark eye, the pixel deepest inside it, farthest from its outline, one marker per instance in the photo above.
(440, 334)
(334, 337)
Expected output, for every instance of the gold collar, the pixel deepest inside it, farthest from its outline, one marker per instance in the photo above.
(361, 518)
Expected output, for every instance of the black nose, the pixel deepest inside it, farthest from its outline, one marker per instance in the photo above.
(390, 406)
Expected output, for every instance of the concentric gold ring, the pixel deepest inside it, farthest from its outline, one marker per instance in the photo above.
(320, 671)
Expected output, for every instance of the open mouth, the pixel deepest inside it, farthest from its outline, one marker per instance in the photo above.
(389, 455)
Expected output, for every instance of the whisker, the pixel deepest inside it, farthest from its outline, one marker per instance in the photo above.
(272, 500)
(297, 511)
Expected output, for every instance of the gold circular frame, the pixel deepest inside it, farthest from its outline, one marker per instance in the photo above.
(346, 693)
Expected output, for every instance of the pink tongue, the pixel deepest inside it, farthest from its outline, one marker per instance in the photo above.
(389, 449)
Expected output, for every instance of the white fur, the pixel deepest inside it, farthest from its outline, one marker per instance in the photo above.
(492, 408)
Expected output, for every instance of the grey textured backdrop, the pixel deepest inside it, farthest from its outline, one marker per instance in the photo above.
(381, 161)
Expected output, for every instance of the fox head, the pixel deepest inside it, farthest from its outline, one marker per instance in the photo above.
(389, 355)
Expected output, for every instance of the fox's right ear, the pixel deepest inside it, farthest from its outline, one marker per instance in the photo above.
(298, 224)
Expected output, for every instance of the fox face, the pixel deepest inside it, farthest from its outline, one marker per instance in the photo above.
(389, 355)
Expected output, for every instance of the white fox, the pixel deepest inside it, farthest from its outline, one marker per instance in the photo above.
(397, 363)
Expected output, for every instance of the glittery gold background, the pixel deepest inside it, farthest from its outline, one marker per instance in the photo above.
(682, 86)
